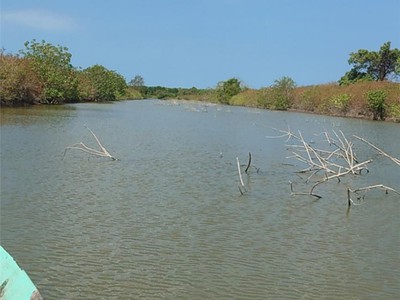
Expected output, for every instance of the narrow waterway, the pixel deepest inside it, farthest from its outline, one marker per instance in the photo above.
(167, 220)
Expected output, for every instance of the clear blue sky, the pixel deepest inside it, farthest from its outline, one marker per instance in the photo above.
(185, 43)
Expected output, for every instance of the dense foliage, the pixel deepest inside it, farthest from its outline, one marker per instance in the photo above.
(137, 81)
(19, 84)
(227, 89)
(105, 85)
(372, 65)
(279, 96)
(376, 100)
(52, 65)
(43, 73)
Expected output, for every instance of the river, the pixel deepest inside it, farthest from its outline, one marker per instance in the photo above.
(167, 220)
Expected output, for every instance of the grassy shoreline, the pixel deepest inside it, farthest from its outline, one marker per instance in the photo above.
(325, 99)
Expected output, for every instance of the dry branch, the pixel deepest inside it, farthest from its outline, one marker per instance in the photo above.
(82, 147)
(336, 160)
(241, 185)
(380, 151)
(365, 190)
(333, 163)
(240, 173)
(248, 164)
(305, 194)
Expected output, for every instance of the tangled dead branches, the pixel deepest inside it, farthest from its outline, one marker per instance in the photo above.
(334, 160)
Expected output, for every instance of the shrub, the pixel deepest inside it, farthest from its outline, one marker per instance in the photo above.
(283, 93)
(246, 98)
(309, 99)
(394, 112)
(376, 103)
(265, 99)
(227, 89)
(19, 84)
(340, 102)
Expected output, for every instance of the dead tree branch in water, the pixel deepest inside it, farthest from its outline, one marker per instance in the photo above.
(326, 164)
(380, 151)
(82, 147)
(364, 190)
(241, 186)
(248, 164)
(335, 163)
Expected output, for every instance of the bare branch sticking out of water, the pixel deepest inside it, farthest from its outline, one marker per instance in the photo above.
(248, 164)
(335, 163)
(241, 186)
(82, 147)
(364, 190)
(336, 160)
(311, 193)
(240, 173)
(380, 151)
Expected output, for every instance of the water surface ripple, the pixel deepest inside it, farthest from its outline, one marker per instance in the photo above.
(167, 220)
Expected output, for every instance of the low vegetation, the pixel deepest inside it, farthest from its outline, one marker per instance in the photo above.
(378, 100)
(42, 74)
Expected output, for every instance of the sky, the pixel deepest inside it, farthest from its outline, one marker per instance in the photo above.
(186, 43)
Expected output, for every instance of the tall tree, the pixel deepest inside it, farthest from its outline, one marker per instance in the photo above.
(373, 65)
(106, 85)
(53, 66)
(137, 81)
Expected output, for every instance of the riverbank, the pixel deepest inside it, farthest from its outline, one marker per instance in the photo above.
(353, 100)
(366, 100)
(379, 100)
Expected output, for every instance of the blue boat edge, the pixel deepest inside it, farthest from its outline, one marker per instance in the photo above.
(14, 282)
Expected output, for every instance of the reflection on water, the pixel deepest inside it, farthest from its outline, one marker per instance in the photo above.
(37, 113)
(167, 220)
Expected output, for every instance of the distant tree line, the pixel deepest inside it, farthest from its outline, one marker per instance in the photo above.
(42, 73)
(283, 94)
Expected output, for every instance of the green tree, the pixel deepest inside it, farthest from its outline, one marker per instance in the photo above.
(104, 84)
(282, 91)
(397, 68)
(227, 89)
(137, 81)
(53, 66)
(373, 65)
(354, 76)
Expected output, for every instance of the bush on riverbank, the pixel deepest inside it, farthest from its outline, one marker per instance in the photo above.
(350, 101)
(331, 99)
(42, 73)
(19, 84)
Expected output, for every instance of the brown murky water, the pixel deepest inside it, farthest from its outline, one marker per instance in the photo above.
(167, 220)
